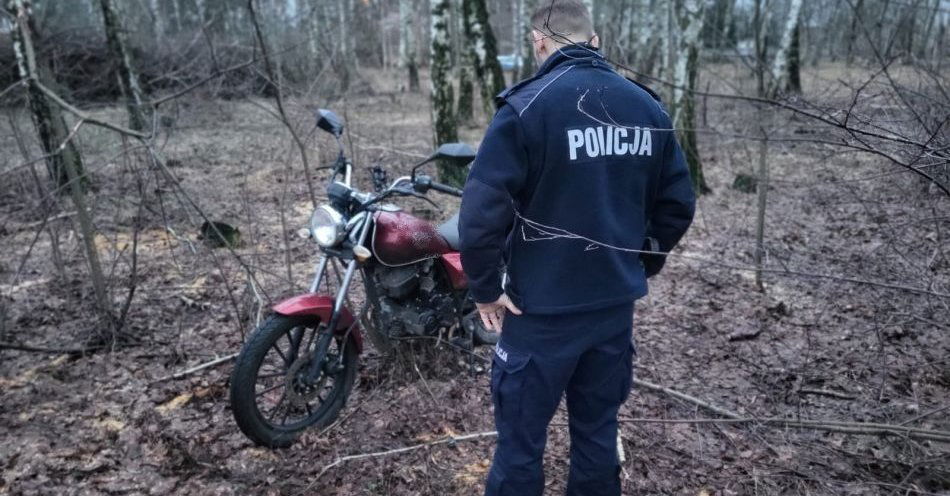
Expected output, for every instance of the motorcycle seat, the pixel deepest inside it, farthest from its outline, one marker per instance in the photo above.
(450, 231)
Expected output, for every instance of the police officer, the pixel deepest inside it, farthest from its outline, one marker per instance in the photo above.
(579, 174)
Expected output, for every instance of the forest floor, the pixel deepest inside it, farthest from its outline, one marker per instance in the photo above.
(811, 346)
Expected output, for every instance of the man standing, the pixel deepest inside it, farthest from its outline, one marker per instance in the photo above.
(579, 174)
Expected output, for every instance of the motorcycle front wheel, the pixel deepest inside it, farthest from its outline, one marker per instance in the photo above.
(272, 396)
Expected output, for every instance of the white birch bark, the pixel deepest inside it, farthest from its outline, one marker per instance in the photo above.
(780, 62)
(158, 19)
(517, 27)
(176, 15)
(412, 52)
(406, 34)
(646, 30)
(670, 33)
(691, 15)
(441, 67)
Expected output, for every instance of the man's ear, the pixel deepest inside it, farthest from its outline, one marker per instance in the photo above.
(536, 38)
(540, 47)
(595, 41)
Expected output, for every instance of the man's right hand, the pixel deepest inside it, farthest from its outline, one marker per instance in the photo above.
(493, 314)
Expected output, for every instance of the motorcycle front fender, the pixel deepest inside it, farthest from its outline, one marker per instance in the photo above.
(320, 306)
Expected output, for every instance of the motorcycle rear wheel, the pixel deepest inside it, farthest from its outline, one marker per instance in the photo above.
(270, 402)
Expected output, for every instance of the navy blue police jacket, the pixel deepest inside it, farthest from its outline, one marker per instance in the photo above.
(578, 172)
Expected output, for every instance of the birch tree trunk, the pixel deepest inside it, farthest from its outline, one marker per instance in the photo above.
(466, 107)
(794, 73)
(670, 35)
(444, 123)
(481, 40)
(760, 22)
(528, 65)
(139, 113)
(63, 156)
(518, 37)
(158, 20)
(47, 117)
(780, 63)
(407, 44)
(312, 24)
(647, 47)
(853, 32)
(176, 15)
(690, 16)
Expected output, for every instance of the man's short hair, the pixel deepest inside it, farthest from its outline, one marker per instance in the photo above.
(563, 19)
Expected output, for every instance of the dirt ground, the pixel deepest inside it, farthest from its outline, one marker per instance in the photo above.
(811, 346)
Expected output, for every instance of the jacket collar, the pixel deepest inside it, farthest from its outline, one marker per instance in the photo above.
(569, 55)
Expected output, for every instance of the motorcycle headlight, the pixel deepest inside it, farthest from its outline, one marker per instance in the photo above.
(327, 226)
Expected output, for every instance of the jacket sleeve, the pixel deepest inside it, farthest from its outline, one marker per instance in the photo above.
(487, 211)
(673, 207)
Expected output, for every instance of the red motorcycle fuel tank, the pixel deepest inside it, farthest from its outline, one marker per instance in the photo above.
(401, 239)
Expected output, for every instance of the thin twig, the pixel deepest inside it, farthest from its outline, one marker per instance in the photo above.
(198, 368)
(406, 449)
(196, 85)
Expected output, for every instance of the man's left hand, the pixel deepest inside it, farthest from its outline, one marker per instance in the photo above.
(493, 314)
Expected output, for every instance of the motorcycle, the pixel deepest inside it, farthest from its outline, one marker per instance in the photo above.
(298, 368)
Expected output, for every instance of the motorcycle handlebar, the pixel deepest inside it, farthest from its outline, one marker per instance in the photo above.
(444, 188)
(422, 184)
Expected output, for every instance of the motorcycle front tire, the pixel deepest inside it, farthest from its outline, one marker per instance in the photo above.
(244, 378)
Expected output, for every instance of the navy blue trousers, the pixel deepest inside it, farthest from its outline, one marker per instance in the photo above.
(589, 358)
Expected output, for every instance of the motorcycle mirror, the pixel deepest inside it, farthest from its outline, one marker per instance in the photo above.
(329, 122)
(457, 153)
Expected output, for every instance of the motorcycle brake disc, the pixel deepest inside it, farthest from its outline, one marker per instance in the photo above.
(298, 392)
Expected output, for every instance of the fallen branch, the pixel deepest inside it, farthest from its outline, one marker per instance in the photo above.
(827, 392)
(864, 428)
(685, 397)
(198, 368)
(406, 449)
(820, 425)
(41, 349)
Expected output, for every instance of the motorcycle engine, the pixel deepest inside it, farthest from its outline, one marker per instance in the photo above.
(410, 301)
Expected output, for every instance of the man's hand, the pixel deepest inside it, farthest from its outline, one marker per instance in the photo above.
(493, 314)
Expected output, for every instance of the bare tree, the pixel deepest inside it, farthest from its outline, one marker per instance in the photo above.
(66, 163)
(158, 19)
(465, 110)
(484, 52)
(444, 119)
(690, 16)
(526, 47)
(407, 44)
(139, 113)
(47, 117)
(780, 64)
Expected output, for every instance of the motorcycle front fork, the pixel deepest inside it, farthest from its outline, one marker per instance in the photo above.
(326, 338)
